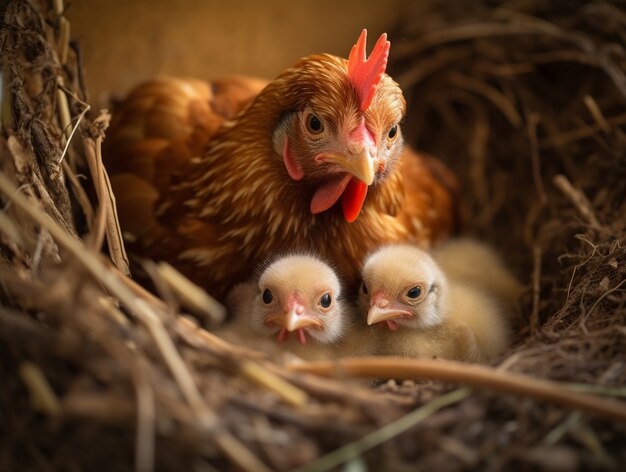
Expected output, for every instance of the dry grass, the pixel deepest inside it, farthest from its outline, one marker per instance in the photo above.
(526, 101)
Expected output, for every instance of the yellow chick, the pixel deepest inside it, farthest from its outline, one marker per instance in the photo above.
(422, 313)
(474, 263)
(295, 306)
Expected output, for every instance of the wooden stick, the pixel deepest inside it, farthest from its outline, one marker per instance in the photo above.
(567, 137)
(64, 39)
(10, 230)
(106, 198)
(497, 98)
(533, 122)
(187, 328)
(578, 199)
(273, 382)
(64, 110)
(470, 374)
(99, 225)
(536, 289)
(596, 112)
(58, 6)
(42, 396)
(146, 418)
(190, 295)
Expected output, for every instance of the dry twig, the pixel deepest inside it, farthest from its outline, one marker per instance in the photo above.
(190, 295)
(108, 211)
(43, 397)
(470, 374)
(536, 289)
(578, 199)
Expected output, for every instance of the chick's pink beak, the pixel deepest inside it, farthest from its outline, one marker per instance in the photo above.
(383, 309)
(293, 318)
(297, 319)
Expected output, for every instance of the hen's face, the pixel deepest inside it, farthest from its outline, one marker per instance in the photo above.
(403, 286)
(326, 140)
(298, 295)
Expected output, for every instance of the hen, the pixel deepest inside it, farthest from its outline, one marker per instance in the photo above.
(218, 177)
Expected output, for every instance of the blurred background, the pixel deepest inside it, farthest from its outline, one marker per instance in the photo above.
(126, 41)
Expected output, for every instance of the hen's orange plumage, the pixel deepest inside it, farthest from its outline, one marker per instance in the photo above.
(218, 177)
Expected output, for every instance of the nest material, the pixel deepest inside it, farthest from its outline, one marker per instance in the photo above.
(526, 101)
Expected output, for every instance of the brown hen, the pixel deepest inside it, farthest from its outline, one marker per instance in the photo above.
(218, 177)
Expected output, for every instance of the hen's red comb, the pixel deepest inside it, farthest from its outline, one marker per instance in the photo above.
(365, 74)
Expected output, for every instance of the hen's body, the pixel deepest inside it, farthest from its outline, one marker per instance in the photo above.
(198, 184)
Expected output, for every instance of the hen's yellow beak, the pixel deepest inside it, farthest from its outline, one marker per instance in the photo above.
(360, 164)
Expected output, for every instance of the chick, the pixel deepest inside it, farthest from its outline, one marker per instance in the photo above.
(296, 306)
(474, 263)
(424, 313)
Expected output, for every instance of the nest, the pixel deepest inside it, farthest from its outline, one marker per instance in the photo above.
(525, 101)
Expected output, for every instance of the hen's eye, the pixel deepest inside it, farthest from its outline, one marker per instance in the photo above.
(393, 132)
(365, 289)
(325, 300)
(314, 124)
(414, 292)
(267, 296)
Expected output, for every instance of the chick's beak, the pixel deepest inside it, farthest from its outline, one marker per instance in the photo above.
(293, 318)
(295, 321)
(382, 309)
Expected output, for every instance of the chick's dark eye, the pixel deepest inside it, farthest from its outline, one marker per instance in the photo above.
(414, 292)
(393, 132)
(325, 300)
(365, 289)
(314, 124)
(267, 296)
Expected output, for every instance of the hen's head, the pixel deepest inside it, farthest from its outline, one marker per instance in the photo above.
(403, 286)
(339, 125)
(298, 295)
